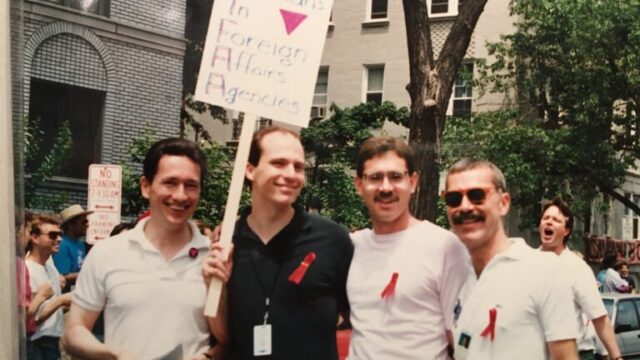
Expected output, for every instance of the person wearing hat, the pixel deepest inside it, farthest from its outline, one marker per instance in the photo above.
(69, 258)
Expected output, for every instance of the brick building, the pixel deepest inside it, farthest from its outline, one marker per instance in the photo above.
(110, 68)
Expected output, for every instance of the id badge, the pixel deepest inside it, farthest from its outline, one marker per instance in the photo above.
(262, 340)
(462, 346)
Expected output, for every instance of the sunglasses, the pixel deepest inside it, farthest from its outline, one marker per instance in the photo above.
(53, 234)
(476, 196)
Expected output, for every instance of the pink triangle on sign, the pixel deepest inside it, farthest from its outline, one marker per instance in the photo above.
(291, 20)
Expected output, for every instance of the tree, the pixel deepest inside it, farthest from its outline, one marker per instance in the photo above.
(576, 68)
(332, 146)
(42, 164)
(431, 83)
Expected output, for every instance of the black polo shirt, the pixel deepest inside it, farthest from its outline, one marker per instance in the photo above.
(303, 317)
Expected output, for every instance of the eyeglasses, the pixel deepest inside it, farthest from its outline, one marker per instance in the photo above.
(53, 234)
(394, 177)
(476, 196)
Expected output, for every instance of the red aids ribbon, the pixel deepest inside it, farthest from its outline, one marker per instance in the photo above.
(297, 275)
(391, 286)
(491, 328)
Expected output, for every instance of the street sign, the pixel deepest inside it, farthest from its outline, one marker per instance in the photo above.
(104, 199)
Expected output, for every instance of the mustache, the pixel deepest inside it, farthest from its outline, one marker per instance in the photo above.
(467, 215)
(385, 196)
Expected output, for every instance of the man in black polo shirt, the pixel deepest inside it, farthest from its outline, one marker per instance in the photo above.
(286, 282)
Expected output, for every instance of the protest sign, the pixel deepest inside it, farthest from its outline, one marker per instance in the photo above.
(262, 57)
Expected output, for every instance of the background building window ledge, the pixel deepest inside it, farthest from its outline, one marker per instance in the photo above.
(442, 17)
(375, 23)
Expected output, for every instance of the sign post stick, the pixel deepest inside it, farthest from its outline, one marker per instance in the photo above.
(231, 209)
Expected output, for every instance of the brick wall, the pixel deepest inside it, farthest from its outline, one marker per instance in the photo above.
(165, 16)
(142, 81)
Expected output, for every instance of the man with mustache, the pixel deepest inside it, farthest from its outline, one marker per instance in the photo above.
(285, 282)
(406, 273)
(555, 228)
(502, 316)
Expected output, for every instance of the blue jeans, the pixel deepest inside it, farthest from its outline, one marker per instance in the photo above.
(44, 348)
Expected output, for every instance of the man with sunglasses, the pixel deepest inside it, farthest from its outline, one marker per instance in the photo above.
(405, 274)
(555, 228)
(45, 240)
(73, 249)
(502, 316)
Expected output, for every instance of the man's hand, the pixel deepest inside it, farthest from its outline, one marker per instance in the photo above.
(63, 281)
(215, 265)
(214, 236)
(65, 300)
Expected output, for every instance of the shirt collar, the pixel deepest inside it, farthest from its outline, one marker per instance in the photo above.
(300, 221)
(517, 250)
(137, 235)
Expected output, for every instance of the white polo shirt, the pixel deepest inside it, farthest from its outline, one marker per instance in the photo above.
(586, 296)
(431, 264)
(533, 304)
(38, 276)
(152, 307)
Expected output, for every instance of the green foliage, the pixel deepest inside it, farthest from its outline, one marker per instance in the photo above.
(331, 146)
(575, 66)
(216, 185)
(133, 204)
(537, 162)
(43, 170)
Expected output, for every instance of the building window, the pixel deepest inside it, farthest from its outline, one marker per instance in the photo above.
(460, 3)
(631, 220)
(439, 8)
(98, 7)
(378, 9)
(463, 90)
(319, 106)
(374, 80)
(53, 104)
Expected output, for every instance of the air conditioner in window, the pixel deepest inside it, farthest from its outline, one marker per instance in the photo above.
(318, 112)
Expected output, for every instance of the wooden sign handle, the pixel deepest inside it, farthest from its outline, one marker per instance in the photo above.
(231, 209)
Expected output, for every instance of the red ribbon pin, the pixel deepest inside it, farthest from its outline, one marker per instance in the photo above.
(297, 275)
(390, 289)
(491, 328)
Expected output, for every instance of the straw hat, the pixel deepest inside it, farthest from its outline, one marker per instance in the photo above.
(71, 212)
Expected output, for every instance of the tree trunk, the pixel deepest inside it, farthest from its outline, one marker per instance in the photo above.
(430, 88)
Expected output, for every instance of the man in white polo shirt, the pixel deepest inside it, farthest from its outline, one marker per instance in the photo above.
(405, 274)
(148, 280)
(555, 228)
(515, 304)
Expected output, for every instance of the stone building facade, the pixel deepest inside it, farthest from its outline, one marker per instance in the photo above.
(110, 68)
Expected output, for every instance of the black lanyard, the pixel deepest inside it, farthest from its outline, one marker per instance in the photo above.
(267, 295)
